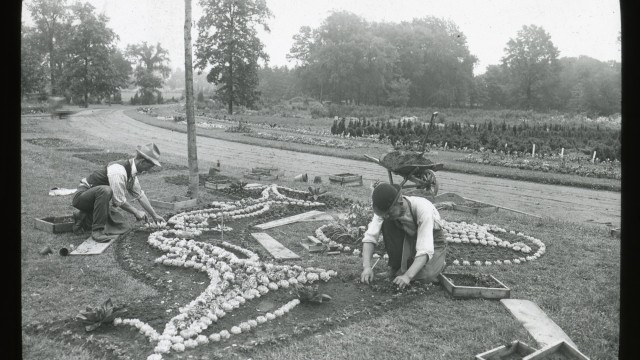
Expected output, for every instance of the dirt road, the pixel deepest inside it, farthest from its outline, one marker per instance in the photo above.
(561, 202)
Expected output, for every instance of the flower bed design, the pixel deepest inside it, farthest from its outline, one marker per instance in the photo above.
(234, 280)
(486, 248)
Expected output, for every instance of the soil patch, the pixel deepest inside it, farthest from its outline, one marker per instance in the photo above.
(80, 150)
(50, 142)
(103, 158)
(475, 280)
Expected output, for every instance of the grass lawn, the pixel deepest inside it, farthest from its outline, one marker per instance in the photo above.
(577, 283)
(449, 158)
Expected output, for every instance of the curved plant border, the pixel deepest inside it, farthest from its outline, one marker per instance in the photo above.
(474, 234)
(234, 280)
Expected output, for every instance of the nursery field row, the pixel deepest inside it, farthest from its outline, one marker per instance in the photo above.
(377, 149)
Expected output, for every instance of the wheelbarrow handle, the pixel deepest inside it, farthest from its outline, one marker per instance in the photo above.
(372, 158)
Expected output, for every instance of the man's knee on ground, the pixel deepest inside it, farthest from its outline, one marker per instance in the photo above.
(104, 190)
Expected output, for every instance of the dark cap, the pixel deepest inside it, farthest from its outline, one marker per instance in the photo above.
(384, 195)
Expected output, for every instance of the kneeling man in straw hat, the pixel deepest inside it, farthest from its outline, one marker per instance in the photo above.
(412, 232)
(105, 189)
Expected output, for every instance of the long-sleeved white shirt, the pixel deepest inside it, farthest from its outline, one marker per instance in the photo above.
(120, 185)
(427, 217)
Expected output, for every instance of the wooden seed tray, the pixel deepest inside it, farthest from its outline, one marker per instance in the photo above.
(510, 351)
(470, 292)
(561, 350)
(215, 185)
(55, 224)
(174, 203)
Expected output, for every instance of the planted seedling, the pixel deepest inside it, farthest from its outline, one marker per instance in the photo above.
(237, 187)
(315, 193)
(104, 314)
(310, 294)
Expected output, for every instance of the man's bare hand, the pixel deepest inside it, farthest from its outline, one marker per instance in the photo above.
(367, 275)
(402, 281)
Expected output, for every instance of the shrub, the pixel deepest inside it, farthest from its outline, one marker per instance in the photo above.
(318, 110)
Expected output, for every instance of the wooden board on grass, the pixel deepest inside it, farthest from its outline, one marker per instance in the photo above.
(277, 250)
(537, 323)
(312, 244)
(291, 219)
(92, 247)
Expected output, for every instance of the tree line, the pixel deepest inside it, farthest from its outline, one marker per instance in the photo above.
(70, 51)
(426, 63)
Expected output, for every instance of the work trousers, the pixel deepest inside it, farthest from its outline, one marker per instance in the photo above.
(95, 202)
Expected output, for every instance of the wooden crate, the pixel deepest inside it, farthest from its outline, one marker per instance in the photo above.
(561, 350)
(515, 349)
(55, 224)
(174, 203)
(469, 292)
(346, 179)
(215, 185)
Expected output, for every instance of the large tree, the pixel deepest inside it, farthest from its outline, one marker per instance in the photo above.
(92, 65)
(152, 68)
(51, 20)
(33, 63)
(347, 58)
(228, 42)
(531, 62)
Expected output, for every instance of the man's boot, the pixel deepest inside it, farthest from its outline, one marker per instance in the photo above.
(100, 236)
(79, 219)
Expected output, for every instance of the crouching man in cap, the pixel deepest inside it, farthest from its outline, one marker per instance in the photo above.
(105, 189)
(412, 233)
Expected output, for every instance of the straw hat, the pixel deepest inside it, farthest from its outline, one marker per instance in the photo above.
(150, 152)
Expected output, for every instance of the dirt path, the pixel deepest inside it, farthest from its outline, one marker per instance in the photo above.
(561, 202)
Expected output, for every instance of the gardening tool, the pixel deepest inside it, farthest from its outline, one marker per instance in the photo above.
(424, 141)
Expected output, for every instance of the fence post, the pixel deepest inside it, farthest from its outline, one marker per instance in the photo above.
(562, 153)
(445, 145)
(593, 159)
(533, 152)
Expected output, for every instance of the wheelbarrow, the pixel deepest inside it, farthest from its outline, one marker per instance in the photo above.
(412, 166)
(421, 173)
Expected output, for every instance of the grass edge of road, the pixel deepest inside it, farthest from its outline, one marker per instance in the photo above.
(453, 167)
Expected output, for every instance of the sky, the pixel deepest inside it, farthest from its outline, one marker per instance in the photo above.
(576, 27)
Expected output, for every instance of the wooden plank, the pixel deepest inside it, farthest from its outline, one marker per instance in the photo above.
(289, 220)
(561, 347)
(92, 247)
(320, 217)
(276, 249)
(537, 323)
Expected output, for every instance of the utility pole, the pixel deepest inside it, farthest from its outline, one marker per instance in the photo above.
(192, 149)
